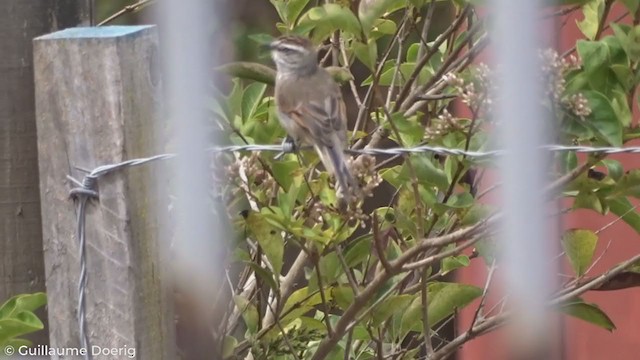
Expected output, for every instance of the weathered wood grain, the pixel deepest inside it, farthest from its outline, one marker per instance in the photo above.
(97, 100)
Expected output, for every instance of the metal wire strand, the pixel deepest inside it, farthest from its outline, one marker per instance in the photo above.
(87, 189)
(82, 193)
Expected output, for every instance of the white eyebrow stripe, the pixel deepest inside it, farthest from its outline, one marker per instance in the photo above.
(290, 46)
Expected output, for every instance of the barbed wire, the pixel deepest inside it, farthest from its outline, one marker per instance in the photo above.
(87, 189)
(434, 149)
(104, 169)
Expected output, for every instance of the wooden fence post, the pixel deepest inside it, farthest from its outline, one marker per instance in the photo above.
(97, 99)
(21, 259)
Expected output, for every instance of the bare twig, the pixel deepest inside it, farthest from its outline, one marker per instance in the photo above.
(444, 254)
(127, 9)
(478, 314)
(568, 294)
(404, 93)
(352, 83)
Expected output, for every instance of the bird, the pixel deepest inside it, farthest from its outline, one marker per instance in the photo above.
(310, 108)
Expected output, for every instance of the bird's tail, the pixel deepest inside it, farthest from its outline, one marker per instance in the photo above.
(346, 185)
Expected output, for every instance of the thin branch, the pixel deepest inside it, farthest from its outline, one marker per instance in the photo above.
(458, 65)
(568, 294)
(444, 254)
(603, 19)
(377, 242)
(424, 34)
(352, 83)
(396, 71)
(435, 97)
(368, 98)
(347, 271)
(409, 97)
(127, 9)
(478, 314)
(404, 93)
(562, 12)
(573, 174)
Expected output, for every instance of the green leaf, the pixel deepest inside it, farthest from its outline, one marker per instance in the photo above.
(370, 11)
(632, 46)
(390, 306)
(262, 39)
(23, 302)
(269, 238)
(392, 175)
(624, 76)
(16, 343)
(294, 8)
(622, 207)
(412, 318)
(592, 13)
(476, 213)
(632, 5)
(300, 302)
(604, 119)
(629, 184)
(460, 201)
(589, 200)
(264, 74)
(249, 313)
(445, 298)
(366, 53)
(228, 345)
(343, 296)
(281, 8)
(412, 52)
(382, 27)
(251, 98)
(428, 173)
(21, 323)
(598, 58)
(330, 268)
(614, 168)
(263, 274)
(284, 172)
(401, 75)
(328, 18)
(579, 245)
(454, 262)
(250, 71)
(410, 129)
(588, 312)
(359, 251)
(569, 161)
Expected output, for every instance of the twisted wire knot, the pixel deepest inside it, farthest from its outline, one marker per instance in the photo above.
(88, 188)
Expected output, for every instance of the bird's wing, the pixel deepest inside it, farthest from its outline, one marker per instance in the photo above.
(322, 119)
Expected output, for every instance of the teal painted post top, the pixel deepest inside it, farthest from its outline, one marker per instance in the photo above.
(95, 32)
